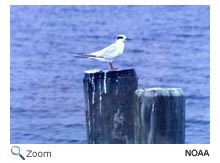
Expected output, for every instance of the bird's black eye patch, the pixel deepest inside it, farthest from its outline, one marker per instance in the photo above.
(120, 37)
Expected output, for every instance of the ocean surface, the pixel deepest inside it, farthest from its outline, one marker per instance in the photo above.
(170, 48)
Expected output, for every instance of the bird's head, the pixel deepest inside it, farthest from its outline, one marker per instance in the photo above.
(122, 38)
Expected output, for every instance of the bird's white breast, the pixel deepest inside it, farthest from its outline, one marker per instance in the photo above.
(120, 47)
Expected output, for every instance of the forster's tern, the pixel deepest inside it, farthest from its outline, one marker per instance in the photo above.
(109, 53)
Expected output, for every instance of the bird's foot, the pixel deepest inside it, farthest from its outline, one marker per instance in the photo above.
(111, 66)
(114, 69)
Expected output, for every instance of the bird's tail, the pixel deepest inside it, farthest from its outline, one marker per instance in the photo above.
(78, 55)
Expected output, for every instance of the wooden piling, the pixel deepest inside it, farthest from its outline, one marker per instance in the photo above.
(109, 97)
(159, 116)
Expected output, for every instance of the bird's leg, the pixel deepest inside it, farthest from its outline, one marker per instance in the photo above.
(110, 63)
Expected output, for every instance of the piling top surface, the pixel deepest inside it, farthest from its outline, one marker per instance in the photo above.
(101, 74)
(160, 92)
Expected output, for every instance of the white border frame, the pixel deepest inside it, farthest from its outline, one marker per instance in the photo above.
(110, 153)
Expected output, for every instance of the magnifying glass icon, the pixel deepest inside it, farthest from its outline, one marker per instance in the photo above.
(15, 150)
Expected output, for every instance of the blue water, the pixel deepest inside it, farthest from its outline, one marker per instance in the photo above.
(170, 48)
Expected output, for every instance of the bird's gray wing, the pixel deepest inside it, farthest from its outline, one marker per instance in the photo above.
(107, 52)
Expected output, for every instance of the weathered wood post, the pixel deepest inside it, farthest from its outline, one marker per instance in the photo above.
(159, 116)
(109, 97)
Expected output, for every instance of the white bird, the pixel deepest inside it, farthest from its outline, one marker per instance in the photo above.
(109, 53)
